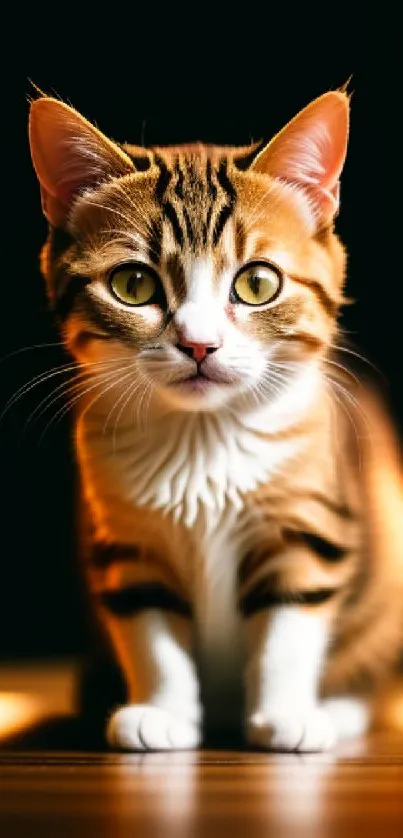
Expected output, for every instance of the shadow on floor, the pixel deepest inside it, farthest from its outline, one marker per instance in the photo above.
(56, 733)
(73, 733)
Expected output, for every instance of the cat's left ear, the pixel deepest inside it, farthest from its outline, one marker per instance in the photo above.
(69, 155)
(310, 152)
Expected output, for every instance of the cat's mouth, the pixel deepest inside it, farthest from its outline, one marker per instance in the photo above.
(199, 382)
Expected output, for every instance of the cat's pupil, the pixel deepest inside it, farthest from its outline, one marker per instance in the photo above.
(133, 283)
(254, 284)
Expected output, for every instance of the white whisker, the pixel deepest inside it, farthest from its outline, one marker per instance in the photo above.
(344, 369)
(15, 352)
(76, 398)
(353, 353)
(62, 389)
(127, 396)
(46, 376)
(118, 400)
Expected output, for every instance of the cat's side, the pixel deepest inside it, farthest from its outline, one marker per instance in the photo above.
(242, 487)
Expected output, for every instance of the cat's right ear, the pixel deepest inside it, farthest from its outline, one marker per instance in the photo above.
(69, 155)
(310, 152)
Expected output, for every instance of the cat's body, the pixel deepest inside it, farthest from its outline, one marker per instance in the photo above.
(246, 557)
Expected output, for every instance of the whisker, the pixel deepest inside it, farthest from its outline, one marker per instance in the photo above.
(63, 389)
(41, 378)
(132, 389)
(350, 419)
(258, 391)
(144, 403)
(148, 402)
(30, 349)
(353, 353)
(344, 394)
(352, 400)
(117, 402)
(76, 398)
(34, 382)
(95, 399)
(343, 369)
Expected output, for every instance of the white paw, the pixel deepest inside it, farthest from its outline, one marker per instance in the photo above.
(292, 730)
(350, 716)
(142, 727)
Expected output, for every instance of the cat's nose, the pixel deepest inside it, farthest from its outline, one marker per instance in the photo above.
(197, 351)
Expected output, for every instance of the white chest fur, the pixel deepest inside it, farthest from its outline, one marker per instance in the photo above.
(196, 465)
(196, 468)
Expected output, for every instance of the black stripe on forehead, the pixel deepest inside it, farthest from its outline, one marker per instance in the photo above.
(179, 182)
(211, 187)
(228, 208)
(155, 240)
(164, 178)
(224, 181)
(212, 195)
(176, 272)
(172, 216)
(179, 192)
(167, 207)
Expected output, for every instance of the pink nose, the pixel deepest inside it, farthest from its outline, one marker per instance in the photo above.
(197, 351)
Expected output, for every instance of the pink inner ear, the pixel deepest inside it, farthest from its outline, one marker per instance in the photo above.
(310, 151)
(68, 163)
(69, 154)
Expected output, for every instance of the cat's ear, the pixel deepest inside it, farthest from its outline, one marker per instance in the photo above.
(310, 152)
(69, 155)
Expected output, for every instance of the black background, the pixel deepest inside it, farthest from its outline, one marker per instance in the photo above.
(146, 79)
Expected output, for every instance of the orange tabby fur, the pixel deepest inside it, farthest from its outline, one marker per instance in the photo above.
(328, 518)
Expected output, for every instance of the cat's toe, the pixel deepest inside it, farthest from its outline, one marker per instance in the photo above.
(143, 727)
(279, 730)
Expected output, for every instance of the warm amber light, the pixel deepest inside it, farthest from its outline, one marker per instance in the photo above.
(17, 710)
(395, 712)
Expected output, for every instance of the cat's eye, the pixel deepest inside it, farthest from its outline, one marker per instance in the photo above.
(256, 284)
(134, 285)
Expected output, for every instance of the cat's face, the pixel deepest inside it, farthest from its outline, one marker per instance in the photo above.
(212, 273)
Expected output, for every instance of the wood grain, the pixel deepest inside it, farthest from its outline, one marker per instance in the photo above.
(357, 790)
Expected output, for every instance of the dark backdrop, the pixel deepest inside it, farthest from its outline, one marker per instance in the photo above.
(151, 81)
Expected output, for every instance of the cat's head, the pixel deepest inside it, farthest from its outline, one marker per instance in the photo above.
(211, 272)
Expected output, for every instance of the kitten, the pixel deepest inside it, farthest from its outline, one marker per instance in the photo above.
(242, 487)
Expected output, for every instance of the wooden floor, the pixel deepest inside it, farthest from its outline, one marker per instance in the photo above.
(45, 791)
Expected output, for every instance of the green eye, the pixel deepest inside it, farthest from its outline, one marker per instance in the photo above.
(134, 285)
(256, 284)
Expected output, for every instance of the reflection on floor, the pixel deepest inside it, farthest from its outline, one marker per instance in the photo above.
(56, 781)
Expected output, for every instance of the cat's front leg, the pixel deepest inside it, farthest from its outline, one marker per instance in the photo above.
(286, 650)
(150, 627)
(163, 712)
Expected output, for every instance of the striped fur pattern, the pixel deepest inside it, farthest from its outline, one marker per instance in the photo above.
(240, 485)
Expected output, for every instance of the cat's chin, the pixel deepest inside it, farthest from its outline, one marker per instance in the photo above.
(198, 393)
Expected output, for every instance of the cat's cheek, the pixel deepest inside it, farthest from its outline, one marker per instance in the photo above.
(91, 349)
(149, 318)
